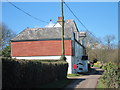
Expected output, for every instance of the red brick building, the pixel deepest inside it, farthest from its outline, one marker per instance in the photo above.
(45, 43)
(40, 48)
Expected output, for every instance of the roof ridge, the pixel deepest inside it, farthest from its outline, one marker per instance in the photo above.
(47, 32)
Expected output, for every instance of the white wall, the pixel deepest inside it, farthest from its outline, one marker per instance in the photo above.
(78, 50)
(76, 59)
(69, 59)
(77, 53)
(38, 57)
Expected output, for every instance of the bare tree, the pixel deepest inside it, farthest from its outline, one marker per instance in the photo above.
(109, 39)
(103, 53)
(6, 34)
(90, 43)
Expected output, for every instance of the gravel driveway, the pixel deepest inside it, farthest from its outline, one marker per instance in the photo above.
(87, 81)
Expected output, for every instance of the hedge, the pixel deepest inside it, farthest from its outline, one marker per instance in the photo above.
(111, 75)
(31, 73)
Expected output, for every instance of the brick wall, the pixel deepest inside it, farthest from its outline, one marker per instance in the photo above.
(40, 48)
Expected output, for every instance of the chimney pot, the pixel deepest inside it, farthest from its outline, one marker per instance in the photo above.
(59, 19)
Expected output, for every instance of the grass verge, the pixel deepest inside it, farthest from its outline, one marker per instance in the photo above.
(73, 75)
(100, 84)
(98, 66)
(58, 84)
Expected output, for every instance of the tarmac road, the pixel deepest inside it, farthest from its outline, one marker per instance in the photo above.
(87, 81)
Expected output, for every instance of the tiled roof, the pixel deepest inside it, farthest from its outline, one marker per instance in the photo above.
(47, 33)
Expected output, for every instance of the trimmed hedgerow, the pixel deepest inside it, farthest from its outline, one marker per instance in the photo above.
(31, 73)
(111, 76)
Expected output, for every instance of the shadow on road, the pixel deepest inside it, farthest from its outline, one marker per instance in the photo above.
(76, 81)
(93, 71)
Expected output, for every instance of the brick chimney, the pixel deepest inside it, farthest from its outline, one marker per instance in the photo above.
(59, 20)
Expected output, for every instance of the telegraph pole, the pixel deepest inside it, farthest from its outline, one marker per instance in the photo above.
(63, 48)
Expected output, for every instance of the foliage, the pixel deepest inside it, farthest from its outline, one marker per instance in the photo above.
(100, 84)
(111, 75)
(6, 51)
(104, 55)
(31, 73)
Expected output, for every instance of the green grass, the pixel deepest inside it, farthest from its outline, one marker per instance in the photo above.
(73, 75)
(58, 84)
(96, 66)
(100, 84)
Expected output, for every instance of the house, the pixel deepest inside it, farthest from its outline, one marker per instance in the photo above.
(45, 43)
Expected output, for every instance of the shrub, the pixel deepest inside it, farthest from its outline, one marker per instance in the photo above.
(31, 73)
(111, 76)
(6, 51)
